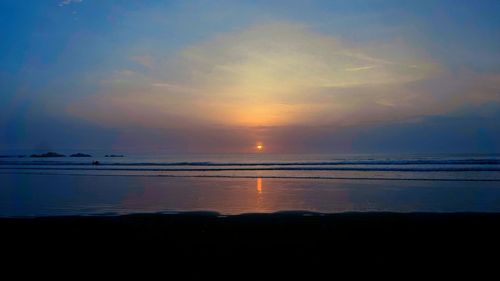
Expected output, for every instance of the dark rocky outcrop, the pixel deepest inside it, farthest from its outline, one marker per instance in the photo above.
(47, 155)
(80, 155)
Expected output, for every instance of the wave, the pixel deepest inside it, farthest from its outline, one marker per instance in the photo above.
(251, 164)
(263, 177)
(357, 169)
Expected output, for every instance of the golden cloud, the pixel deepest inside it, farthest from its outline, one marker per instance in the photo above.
(266, 75)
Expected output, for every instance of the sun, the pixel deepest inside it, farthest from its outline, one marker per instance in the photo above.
(260, 147)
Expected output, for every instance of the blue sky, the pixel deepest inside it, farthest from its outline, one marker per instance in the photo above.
(220, 76)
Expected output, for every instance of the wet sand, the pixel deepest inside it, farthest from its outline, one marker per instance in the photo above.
(197, 244)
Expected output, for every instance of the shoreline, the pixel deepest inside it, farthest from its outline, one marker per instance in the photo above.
(264, 215)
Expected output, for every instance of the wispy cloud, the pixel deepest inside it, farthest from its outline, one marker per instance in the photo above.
(280, 74)
(360, 68)
(146, 60)
(68, 2)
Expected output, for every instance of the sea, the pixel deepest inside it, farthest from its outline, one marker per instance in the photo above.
(249, 183)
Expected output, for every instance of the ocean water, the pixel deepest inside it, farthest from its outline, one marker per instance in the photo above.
(233, 184)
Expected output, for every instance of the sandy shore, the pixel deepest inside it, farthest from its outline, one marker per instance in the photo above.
(310, 244)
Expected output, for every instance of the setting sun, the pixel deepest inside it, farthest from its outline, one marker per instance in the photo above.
(260, 147)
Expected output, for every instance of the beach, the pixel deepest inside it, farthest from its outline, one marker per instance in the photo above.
(300, 244)
(242, 217)
(65, 195)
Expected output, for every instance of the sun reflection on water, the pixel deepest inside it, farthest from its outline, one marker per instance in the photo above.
(259, 185)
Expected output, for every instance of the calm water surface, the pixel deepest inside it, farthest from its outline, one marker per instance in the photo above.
(249, 183)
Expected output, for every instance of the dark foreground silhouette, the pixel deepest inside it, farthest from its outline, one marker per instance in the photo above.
(290, 244)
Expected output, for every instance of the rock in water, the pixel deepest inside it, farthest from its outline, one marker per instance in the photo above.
(80, 155)
(47, 155)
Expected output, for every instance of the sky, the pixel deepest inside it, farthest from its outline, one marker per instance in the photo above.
(224, 76)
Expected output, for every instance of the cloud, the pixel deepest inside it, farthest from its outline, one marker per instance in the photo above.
(265, 75)
(146, 60)
(277, 81)
(360, 68)
(69, 2)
